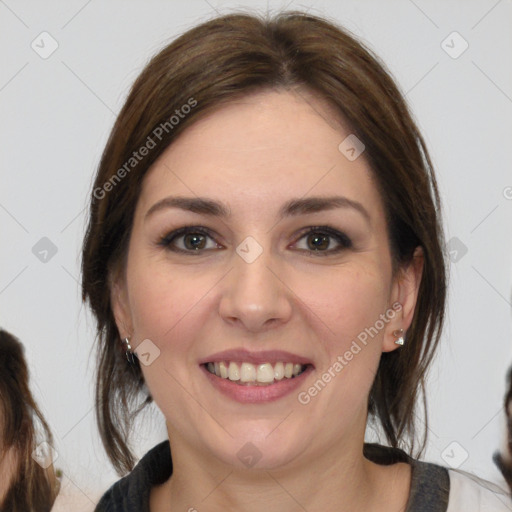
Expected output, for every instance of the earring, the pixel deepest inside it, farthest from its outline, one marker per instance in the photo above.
(128, 350)
(399, 336)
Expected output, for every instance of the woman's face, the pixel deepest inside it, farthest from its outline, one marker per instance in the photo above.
(249, 289)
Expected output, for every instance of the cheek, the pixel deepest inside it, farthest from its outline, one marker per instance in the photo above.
(349, 300)
(159, 299)
(168, 304)
(351, 304)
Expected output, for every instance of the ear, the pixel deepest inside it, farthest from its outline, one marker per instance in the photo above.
(120, 305)
(404, 296)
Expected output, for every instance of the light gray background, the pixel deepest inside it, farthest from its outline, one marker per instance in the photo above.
(56, 114)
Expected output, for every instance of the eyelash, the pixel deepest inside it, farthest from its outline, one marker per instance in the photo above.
(341, 238)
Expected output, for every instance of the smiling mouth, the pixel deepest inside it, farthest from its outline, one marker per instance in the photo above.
(248, 374)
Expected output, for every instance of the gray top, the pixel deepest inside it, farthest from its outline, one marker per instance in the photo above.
(430, 483)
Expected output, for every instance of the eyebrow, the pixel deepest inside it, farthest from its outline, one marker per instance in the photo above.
(294, 207)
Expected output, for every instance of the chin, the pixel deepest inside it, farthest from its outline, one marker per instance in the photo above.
(262, 449)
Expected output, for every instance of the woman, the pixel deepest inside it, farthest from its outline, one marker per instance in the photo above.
(265, 263)
(27, 478)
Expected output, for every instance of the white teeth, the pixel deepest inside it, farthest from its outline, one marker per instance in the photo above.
(223, 370)
(233, 371)
(247, 372)
(279, 371)
(263, 373)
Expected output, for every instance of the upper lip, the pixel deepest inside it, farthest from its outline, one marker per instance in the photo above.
(246, 356)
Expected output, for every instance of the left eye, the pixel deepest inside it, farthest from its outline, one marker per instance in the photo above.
(318, 240)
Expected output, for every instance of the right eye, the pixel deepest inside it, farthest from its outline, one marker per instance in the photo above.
(193, 240)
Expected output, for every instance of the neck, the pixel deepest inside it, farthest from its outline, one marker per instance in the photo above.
(341, 480)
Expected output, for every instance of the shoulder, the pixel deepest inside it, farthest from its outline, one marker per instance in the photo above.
(470, 493)
(430, 483)
(131, 493)
(436, 488)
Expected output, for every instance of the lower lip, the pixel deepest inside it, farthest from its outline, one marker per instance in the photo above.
(257, 394)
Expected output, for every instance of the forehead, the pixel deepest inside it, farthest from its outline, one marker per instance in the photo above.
(260, 151)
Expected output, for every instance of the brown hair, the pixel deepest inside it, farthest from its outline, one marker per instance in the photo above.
(32, 488)
(503, 459)
(212, 64)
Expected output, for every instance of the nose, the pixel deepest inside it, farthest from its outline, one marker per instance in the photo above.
(254, 296)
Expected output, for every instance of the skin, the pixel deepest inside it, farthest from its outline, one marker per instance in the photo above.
(8, 469)
(254, 155)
